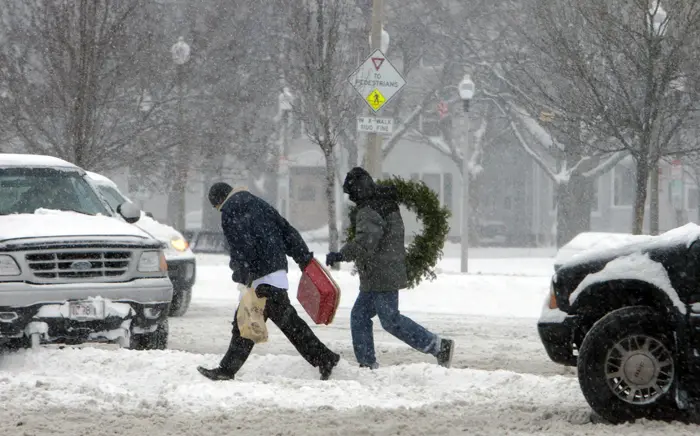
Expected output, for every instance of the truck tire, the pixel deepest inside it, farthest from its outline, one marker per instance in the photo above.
(158, 340)
(181, 302)
(626, 366)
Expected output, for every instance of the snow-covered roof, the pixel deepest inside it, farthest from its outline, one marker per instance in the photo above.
(100, 179)
(33, 160)
(308, 158)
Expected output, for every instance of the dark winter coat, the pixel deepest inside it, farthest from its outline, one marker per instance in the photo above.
(378, 247)
(259, 238)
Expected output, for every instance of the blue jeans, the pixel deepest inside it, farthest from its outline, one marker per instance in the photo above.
(386, 306)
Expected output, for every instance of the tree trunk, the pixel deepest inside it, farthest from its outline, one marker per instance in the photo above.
(330, 198)
(654, 199)
(573, 208)
(640, 196)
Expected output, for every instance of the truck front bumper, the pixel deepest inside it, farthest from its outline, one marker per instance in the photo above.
(83, 312)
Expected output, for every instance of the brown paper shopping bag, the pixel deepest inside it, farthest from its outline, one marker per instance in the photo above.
(250, 318)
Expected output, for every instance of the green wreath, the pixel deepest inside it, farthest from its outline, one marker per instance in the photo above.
(423, 254)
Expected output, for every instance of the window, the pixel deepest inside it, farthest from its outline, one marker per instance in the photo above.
(111, 196)
(595, 196)
(434, 182)
(307, 193)
(447, 183)
(430, 125)
(507, 203)
(24, 190)
(692, 198)
(623, 186)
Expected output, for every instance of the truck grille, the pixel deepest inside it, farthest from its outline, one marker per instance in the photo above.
(79, 264)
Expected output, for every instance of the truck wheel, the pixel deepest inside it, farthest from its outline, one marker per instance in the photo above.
(626, 365)
(158, 340)
(181, 302)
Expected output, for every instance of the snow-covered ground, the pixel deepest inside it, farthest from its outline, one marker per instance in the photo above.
(501, 382)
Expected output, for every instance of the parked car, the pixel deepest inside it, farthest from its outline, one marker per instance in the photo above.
(69, 271)
(629, 319)
(182, 264)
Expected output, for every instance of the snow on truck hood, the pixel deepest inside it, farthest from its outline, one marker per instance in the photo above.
(54, 223)
(684, 235)
(160, 231)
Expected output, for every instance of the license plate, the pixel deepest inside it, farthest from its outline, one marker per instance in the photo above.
(87, 310)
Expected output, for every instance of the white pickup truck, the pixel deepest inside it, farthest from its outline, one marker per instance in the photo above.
(69, 271)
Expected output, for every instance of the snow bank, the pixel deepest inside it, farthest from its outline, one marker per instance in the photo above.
(125, 380)
(448, 294)
(636, 266)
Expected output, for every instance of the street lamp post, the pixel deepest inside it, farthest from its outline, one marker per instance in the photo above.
(466, 93)
(379, 40)
(285, 100)
(176, 200)
(658, 26)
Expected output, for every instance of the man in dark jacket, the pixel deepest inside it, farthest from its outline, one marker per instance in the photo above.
(380, 256)
(260, 239)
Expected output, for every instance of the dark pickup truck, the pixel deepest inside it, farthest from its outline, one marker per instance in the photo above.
(629, 319)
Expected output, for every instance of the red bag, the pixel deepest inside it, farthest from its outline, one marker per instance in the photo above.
(318, 293)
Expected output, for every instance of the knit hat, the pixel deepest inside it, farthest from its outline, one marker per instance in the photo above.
(358, 184)
(218, 193)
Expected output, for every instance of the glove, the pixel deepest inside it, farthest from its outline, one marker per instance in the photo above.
(306, 260)
(332, 258)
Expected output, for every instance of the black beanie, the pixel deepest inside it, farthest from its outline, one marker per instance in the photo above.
(218, 193)
(358, 184)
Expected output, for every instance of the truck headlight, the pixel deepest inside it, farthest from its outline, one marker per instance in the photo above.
(8, 266)
(152, 261)
(179, 244)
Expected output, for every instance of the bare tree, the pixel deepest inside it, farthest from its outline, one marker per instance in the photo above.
(622, 73)
(226, 96)
(319, 63)
(74, 75)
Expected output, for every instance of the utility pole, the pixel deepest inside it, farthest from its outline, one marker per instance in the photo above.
(373, 157)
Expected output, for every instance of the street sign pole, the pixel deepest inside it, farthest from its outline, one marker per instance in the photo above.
(373, 155)
(377, 82)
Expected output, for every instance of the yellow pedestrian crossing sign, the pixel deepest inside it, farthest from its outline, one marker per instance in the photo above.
(376, 100)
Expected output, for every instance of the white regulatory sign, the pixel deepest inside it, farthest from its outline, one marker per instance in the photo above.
(376, 80)
(375, 125)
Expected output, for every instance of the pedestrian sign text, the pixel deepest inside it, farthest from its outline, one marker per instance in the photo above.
(376, 80)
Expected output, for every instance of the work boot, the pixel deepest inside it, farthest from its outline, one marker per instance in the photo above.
(374, 365)
(327, 368)
(216, 374)
(445, 352)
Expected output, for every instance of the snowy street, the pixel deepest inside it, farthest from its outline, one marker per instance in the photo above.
(501, 382)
